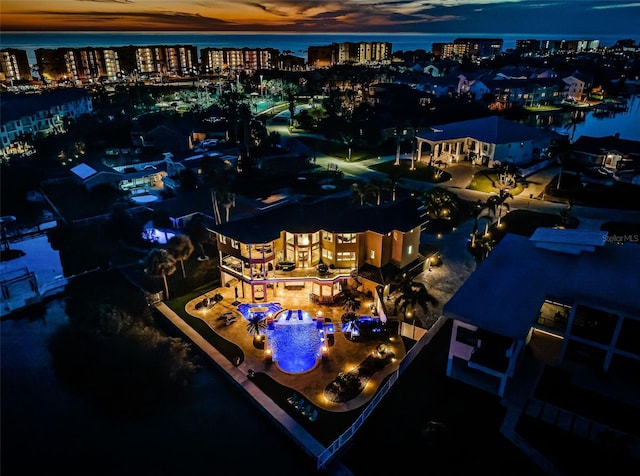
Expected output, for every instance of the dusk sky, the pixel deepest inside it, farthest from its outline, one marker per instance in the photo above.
(568, 17)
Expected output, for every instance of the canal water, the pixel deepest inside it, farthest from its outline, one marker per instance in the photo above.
(47, 430)
(579, 122)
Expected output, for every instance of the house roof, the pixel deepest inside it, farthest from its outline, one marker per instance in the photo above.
(598, 145)
(87, 171)
(492, 130)
(508, 288)
(337, 215)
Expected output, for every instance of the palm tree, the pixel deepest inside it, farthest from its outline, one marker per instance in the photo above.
(159, 262)
(412, 294)
(228, 200)
(375, 188)
(256, 325)
(498, 203)
(440, 203)
(181, 248)
(359, 192)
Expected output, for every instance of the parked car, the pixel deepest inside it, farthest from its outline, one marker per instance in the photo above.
(286, 266)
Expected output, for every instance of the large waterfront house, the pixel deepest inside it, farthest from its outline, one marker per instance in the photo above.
(577, 288)
(488, 141)
(316, 246)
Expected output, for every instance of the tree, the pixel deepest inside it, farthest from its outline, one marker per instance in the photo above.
(375, 188)
(497, 203)
(256, 325)
(507, 173)
(159, 262)
(412, 294)
(440, 203)
(181, 248)
(359, 192)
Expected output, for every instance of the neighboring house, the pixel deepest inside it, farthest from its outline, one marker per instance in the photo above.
(575, 87)
(610, 152)
(504, 94)
(26, 116)
(483, 141)
(522, 72)
(333, 231)
(576, 286)
(142, 176)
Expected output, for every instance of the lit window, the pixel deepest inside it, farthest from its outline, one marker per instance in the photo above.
(346, 238)
(372, 254)
(410, 249)
(234, 243)
(326, 236)
(223, 239)
(327, 254)
(345, 256)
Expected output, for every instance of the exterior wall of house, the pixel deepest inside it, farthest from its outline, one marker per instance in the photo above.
(518, 153)
(371, 249)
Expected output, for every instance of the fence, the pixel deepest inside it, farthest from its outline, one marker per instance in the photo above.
(333, 448)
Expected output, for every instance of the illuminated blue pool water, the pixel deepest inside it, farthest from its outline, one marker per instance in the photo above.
(295, 341)
(246, 309)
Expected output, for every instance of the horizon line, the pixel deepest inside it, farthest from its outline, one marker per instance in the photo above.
(290, 32)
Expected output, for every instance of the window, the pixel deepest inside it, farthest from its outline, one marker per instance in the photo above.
(303, 239)
(345, 256)
(372, 254)
(485, 147)
(410, 249)
(327, 254)
(315, 237)
(346, 238)
(288, 237)
(234, 243)
(223, 239)
(326, 236)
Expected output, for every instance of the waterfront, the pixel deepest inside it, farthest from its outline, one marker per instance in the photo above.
(585, 123)
(297, 43)
(47, 430)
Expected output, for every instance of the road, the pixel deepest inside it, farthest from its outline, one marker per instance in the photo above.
(531, 199)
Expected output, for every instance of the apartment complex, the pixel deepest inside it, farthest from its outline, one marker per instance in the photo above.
(25, 116)
(468, 47)
(349, 53)
(553, 46)
(14, 65)
(220, 60)
(89, 65)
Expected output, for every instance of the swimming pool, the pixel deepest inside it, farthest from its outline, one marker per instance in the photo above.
(295, 341)
(250, 309)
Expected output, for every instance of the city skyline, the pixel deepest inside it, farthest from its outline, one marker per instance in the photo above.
(528, 17)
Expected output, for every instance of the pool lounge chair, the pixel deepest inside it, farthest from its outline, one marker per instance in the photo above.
(300, 404)
(293, 399)
(314, 415)
(307, 410)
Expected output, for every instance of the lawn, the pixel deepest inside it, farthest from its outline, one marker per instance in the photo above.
(423, 172)
(337, 149)
(230, 350)
(521, 222)
(488, 182)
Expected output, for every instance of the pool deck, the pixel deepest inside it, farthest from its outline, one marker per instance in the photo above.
(343, 355)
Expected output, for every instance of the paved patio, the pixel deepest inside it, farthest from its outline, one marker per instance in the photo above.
(343, 355)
